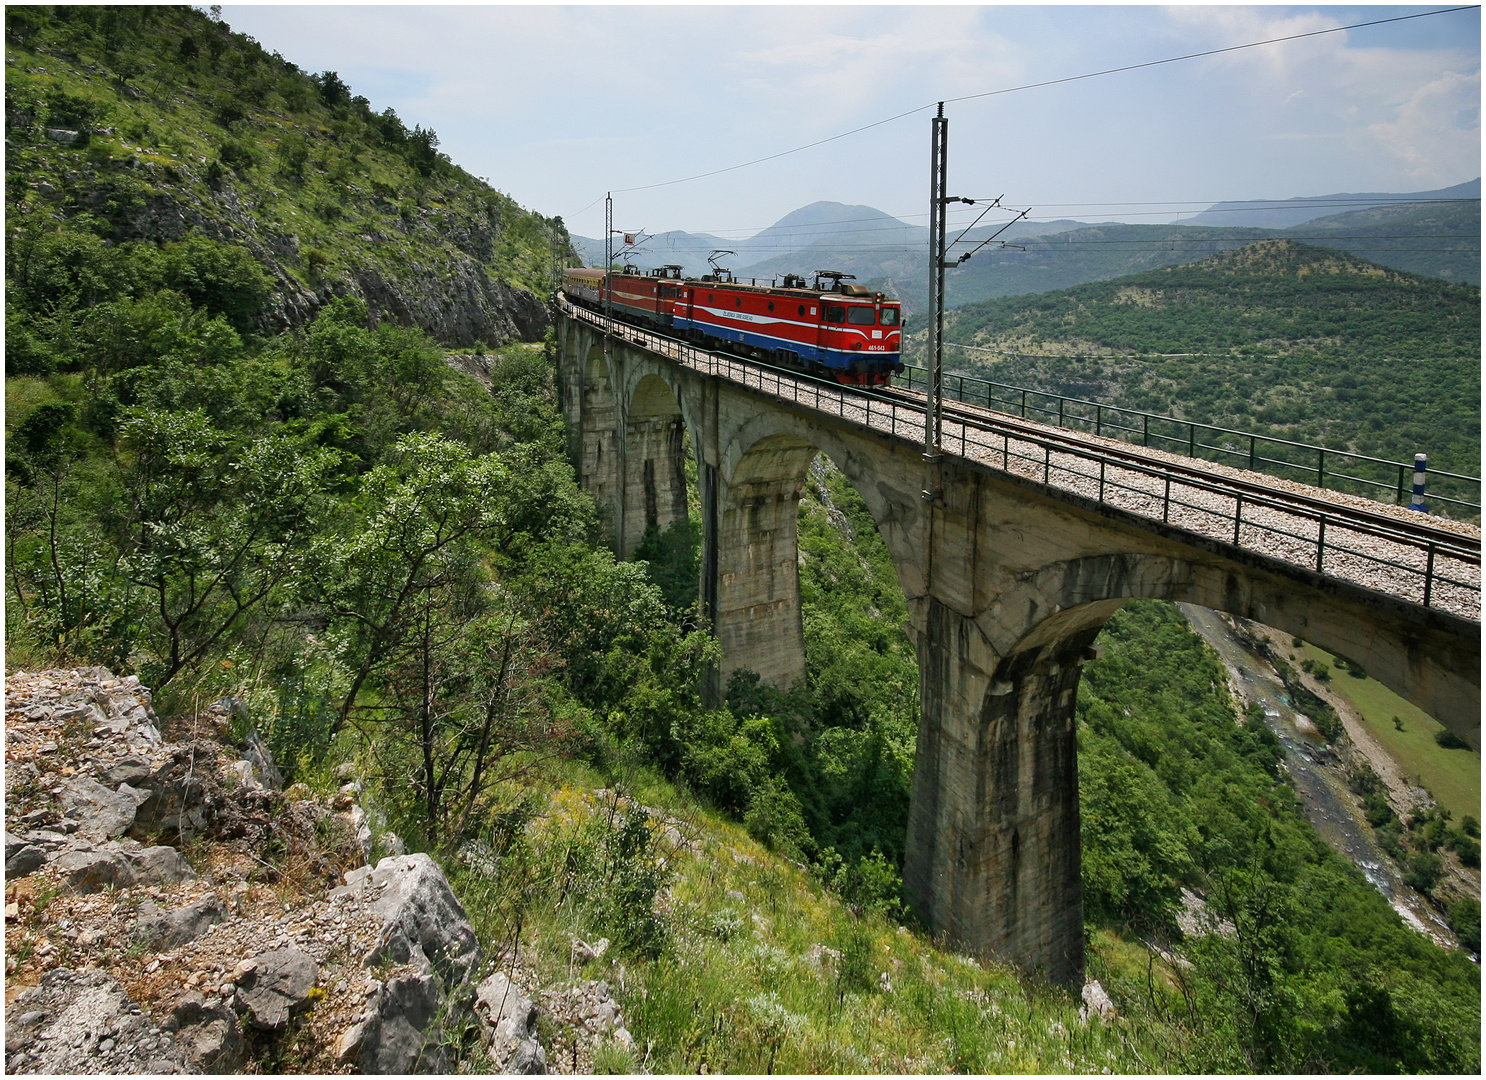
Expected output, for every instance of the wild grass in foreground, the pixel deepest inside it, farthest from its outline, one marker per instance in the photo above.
(728, 958)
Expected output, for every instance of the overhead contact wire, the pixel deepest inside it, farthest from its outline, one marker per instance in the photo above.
(1037, 85)
(1206, 52)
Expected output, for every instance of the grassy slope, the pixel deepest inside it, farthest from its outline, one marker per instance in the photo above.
(765, 971)
(1453, 777)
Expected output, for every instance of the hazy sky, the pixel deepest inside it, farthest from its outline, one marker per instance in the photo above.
(554, 105)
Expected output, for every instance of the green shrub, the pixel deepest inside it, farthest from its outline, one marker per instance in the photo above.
(776, 818)
(315, 260)
(870, 884)
(1468, 848)
(293, 153)
(230, 112)
(1422, 871)
(300, 732)
(239, 155)
(1465, 920)
(634, 871)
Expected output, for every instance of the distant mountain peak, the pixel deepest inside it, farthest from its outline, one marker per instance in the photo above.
(830, 213)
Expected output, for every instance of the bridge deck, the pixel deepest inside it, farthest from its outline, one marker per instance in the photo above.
(1427, 561)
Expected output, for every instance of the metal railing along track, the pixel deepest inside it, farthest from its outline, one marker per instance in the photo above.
(1320, 466)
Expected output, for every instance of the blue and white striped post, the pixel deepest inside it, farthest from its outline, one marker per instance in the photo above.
(1421, 465)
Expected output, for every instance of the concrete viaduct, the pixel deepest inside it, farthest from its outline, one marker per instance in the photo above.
(1008, 584)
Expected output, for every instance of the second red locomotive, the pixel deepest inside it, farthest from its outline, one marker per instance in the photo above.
(833, 328)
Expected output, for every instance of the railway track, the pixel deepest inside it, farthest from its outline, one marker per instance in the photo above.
(1388, 521)
(1389, 549)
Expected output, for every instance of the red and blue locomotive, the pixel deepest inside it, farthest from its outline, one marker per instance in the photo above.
(832, 328)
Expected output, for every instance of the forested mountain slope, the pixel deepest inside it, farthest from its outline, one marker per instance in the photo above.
(1268, 297)
(1440, 240)
(130, 126)
(1434, 239)
(1278, 338)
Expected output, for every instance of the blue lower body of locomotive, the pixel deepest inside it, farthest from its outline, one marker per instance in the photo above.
(836, 359)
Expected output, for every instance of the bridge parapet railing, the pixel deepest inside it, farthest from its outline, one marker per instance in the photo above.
(1321, 466)
(1421, 562)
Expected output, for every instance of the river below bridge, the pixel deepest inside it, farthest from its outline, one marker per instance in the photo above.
(1319, 776)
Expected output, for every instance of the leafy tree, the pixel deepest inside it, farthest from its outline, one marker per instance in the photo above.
(467, 710)
(61, 577)
(673, 558)
(1137, 845)
(224, 279)
(412, 536)
(422, 151)
(208, 527)
(334, 92)
(163, 327)
(1465, 920)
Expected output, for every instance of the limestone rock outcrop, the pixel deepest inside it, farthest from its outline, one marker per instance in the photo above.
(509, 1019)
(424, 929)
(130, 959)
(274, 987)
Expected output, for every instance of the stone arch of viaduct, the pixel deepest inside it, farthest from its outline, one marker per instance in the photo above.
(1007, 585)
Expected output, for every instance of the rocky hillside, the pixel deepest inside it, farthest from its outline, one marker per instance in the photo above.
(156, 124)
(168, 909)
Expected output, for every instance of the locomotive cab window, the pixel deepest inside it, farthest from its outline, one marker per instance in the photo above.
(860, 315)
(835, 314)
(889, 316)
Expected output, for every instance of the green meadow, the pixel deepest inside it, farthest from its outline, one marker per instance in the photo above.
(1453, 777)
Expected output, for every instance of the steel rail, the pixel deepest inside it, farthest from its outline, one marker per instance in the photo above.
(1332, 520)
(1386, 526)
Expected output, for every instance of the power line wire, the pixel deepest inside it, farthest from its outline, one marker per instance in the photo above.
(1207, 52)
(1034, 86)
(771, 157)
